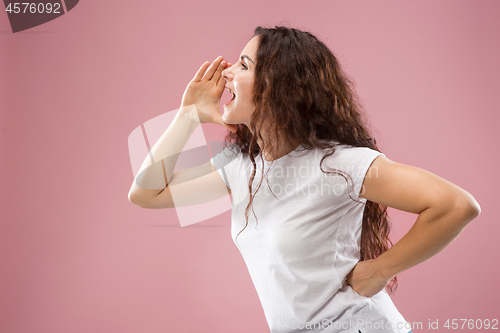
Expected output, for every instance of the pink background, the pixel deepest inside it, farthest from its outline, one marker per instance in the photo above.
(77, 256)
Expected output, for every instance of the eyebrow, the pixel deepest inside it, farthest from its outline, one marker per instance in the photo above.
(245, 56)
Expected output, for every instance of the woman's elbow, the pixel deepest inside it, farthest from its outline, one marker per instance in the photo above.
(469, 207)
(474, 207)
(134, 199)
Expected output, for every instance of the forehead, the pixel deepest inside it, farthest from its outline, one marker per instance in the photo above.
(251, 48)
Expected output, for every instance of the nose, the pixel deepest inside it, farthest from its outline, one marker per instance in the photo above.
(227, 74)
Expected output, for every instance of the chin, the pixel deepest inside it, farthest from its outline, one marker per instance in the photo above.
(233, 118)
(228, 118)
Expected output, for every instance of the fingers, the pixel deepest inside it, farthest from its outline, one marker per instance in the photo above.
(214, 71)
(211, 70)
(222, 82)
(218, 74)
(201, 71)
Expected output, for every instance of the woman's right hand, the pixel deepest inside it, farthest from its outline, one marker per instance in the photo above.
(204, 92)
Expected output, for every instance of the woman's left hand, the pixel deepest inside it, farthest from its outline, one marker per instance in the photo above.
(366, 279)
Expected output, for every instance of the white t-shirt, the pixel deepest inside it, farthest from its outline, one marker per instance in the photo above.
(306, 240)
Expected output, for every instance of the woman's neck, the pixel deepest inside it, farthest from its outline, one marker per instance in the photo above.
(284, 148)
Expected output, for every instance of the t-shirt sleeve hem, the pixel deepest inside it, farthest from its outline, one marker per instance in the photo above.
(363, 172)
(221, 172)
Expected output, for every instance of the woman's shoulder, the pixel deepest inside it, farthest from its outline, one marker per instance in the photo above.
(349, 154)
(229, 153)
(344, 148)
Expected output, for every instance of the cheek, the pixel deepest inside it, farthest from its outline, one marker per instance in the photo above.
(247, 92)
(244, 88)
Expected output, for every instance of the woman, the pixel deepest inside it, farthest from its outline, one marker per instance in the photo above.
(310, 187)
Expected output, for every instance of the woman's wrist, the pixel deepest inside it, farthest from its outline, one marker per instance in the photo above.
(189, 113)
(384, 270)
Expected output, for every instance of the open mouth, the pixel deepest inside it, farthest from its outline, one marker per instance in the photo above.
(232, 98)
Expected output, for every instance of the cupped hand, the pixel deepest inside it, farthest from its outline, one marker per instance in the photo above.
(365, 278)
(205, 90)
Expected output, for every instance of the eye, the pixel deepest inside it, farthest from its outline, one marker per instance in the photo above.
(243, 65)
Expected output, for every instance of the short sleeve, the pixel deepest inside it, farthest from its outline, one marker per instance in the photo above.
(355, 161)
(225, 163)
(369, 156)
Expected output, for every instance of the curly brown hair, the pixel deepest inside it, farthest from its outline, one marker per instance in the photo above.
(301, 94)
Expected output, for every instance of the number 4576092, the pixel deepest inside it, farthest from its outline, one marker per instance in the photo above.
(472, 324)
(34, 8)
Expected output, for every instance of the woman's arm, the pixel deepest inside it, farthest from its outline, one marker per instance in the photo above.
(200, 104)
(444, 211)
(156, 170)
